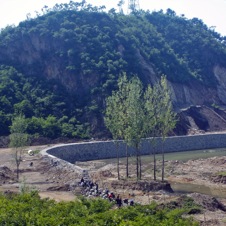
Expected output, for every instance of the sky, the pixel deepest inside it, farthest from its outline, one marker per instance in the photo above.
(211, 12)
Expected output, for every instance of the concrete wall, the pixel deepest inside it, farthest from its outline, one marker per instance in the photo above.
(102, 150)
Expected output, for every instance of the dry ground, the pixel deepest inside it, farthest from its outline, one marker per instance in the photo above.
(59, 181)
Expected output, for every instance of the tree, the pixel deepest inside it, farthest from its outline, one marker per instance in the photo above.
(18, 139)
(132, 114)
(123, 117)
(120, 5)
(159, 116)
(116, 117)
(135, 114)
(151, 108)
(166, 117)
(112, 121)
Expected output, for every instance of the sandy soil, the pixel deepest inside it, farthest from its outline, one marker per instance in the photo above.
(51, 181)
(59, 181)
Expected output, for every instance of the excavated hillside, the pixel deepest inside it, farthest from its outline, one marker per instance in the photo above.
(68, 60)
(201, 119)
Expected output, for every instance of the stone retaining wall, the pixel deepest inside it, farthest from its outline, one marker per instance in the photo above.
(107, 149)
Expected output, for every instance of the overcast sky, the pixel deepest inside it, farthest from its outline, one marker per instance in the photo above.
(212, 12)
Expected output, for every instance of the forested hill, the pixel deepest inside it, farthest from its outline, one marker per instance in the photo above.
(58, 68)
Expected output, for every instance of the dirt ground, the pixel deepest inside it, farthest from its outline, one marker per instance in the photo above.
(59, 180)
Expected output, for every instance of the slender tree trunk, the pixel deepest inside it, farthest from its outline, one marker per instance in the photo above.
(127, 162)
(140, 173)
(17, 171)
(17, 160)
(117, 147)
(137, 162)
(163, 161)
(154, 161)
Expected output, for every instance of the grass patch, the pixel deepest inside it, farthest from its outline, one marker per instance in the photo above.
(36, 151)
(223, 173)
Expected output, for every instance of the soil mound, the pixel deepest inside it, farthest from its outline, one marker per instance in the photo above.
(5, 174)
(142, 185)
(65, 187)
(201, 119)
(219, 179)
(208, 202)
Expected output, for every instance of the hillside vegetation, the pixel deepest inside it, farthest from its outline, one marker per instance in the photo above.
(58, 68)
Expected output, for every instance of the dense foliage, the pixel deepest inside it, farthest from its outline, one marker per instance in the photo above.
(29, 209)
(195, 45)
(58, 68)
(47, 110)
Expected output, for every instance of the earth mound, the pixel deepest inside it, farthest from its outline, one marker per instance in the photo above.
(207, 202)
(144, 186)
(201, 119)
(6, 175)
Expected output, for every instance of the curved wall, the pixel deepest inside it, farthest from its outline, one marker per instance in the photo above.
(107, 149)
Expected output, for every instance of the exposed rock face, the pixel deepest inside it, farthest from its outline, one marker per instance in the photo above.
(201, 119)
(192, 93)
(193, 101)
(220, 74)
(39, 54)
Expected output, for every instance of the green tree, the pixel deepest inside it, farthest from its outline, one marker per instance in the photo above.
(166, 117)
(112, 121)
(51, 127)
(135, 115)
(151, 108)
(122, 109)
(18, 139)
(160, 118)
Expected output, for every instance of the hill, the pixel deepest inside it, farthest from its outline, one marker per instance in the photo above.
(58, 68)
